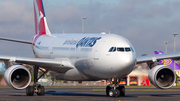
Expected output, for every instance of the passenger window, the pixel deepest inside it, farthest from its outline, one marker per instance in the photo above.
(127, 49)
(120, 49)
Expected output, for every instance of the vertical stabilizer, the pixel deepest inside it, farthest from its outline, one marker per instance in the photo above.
(168, 62)
(41, 26)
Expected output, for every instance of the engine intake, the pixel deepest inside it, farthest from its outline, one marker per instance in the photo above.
(18, 77)
(162, 76)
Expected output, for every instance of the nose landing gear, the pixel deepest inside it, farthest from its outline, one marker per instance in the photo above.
(114, 89)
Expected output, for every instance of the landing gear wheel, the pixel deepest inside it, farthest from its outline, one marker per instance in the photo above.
(30, 91)
(107, 90)
(117, 93)
(112, 93)
(122, 90)
(114, 89)
(40, 91)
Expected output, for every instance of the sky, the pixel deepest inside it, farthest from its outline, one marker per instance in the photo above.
(145, 23)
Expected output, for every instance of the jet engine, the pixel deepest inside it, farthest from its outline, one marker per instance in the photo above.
(162, 76)
(18, 77)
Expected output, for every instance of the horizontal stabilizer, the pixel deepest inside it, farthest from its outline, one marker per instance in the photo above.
(15, 40)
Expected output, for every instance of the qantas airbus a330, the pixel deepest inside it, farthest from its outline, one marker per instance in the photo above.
(81, 57)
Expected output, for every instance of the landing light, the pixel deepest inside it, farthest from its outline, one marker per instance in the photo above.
(103, 32)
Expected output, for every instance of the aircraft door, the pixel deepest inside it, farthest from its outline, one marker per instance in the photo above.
(97, 50)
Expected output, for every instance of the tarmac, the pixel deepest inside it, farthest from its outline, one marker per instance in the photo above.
(91, 94)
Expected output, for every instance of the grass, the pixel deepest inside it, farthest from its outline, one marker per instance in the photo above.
(5, 87)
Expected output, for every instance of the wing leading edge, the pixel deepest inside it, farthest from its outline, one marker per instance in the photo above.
(57, 65)
(157, 57)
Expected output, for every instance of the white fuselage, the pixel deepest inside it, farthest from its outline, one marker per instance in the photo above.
(90, 55)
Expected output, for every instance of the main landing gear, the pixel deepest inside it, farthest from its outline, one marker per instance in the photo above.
(38, 89)
(114, 89)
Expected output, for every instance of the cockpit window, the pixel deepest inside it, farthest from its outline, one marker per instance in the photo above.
(132, 49)
(127, 49)
(112, 49)
(120, 49)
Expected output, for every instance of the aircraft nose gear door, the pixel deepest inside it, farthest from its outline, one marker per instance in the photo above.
(97, 50)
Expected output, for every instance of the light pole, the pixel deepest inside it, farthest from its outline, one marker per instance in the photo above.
(83, 18)
(166, 42)
(174, 34)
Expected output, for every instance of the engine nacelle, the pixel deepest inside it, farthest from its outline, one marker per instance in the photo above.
(18, 77)
(162, 76)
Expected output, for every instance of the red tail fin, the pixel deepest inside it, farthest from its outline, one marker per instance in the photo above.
(41, 26)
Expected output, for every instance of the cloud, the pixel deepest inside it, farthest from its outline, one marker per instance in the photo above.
(16, 21)
(145, 23)
(16, 17)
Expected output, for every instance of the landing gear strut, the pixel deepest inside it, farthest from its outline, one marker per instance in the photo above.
(114, 89)
(36, 88)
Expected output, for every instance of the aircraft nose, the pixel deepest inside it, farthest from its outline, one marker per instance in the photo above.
(127, 59)
(125, 63)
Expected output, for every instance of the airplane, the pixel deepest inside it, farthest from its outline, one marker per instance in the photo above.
(168, 62)
(81, 57)
(2, 68)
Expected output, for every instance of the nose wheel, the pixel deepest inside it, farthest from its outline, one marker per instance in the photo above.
(115, 90)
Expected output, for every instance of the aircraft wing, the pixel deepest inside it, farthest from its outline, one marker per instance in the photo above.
(15, 40)
(57, 65)
(157, 57)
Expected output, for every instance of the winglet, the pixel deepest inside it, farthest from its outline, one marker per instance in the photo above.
(156, 52)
